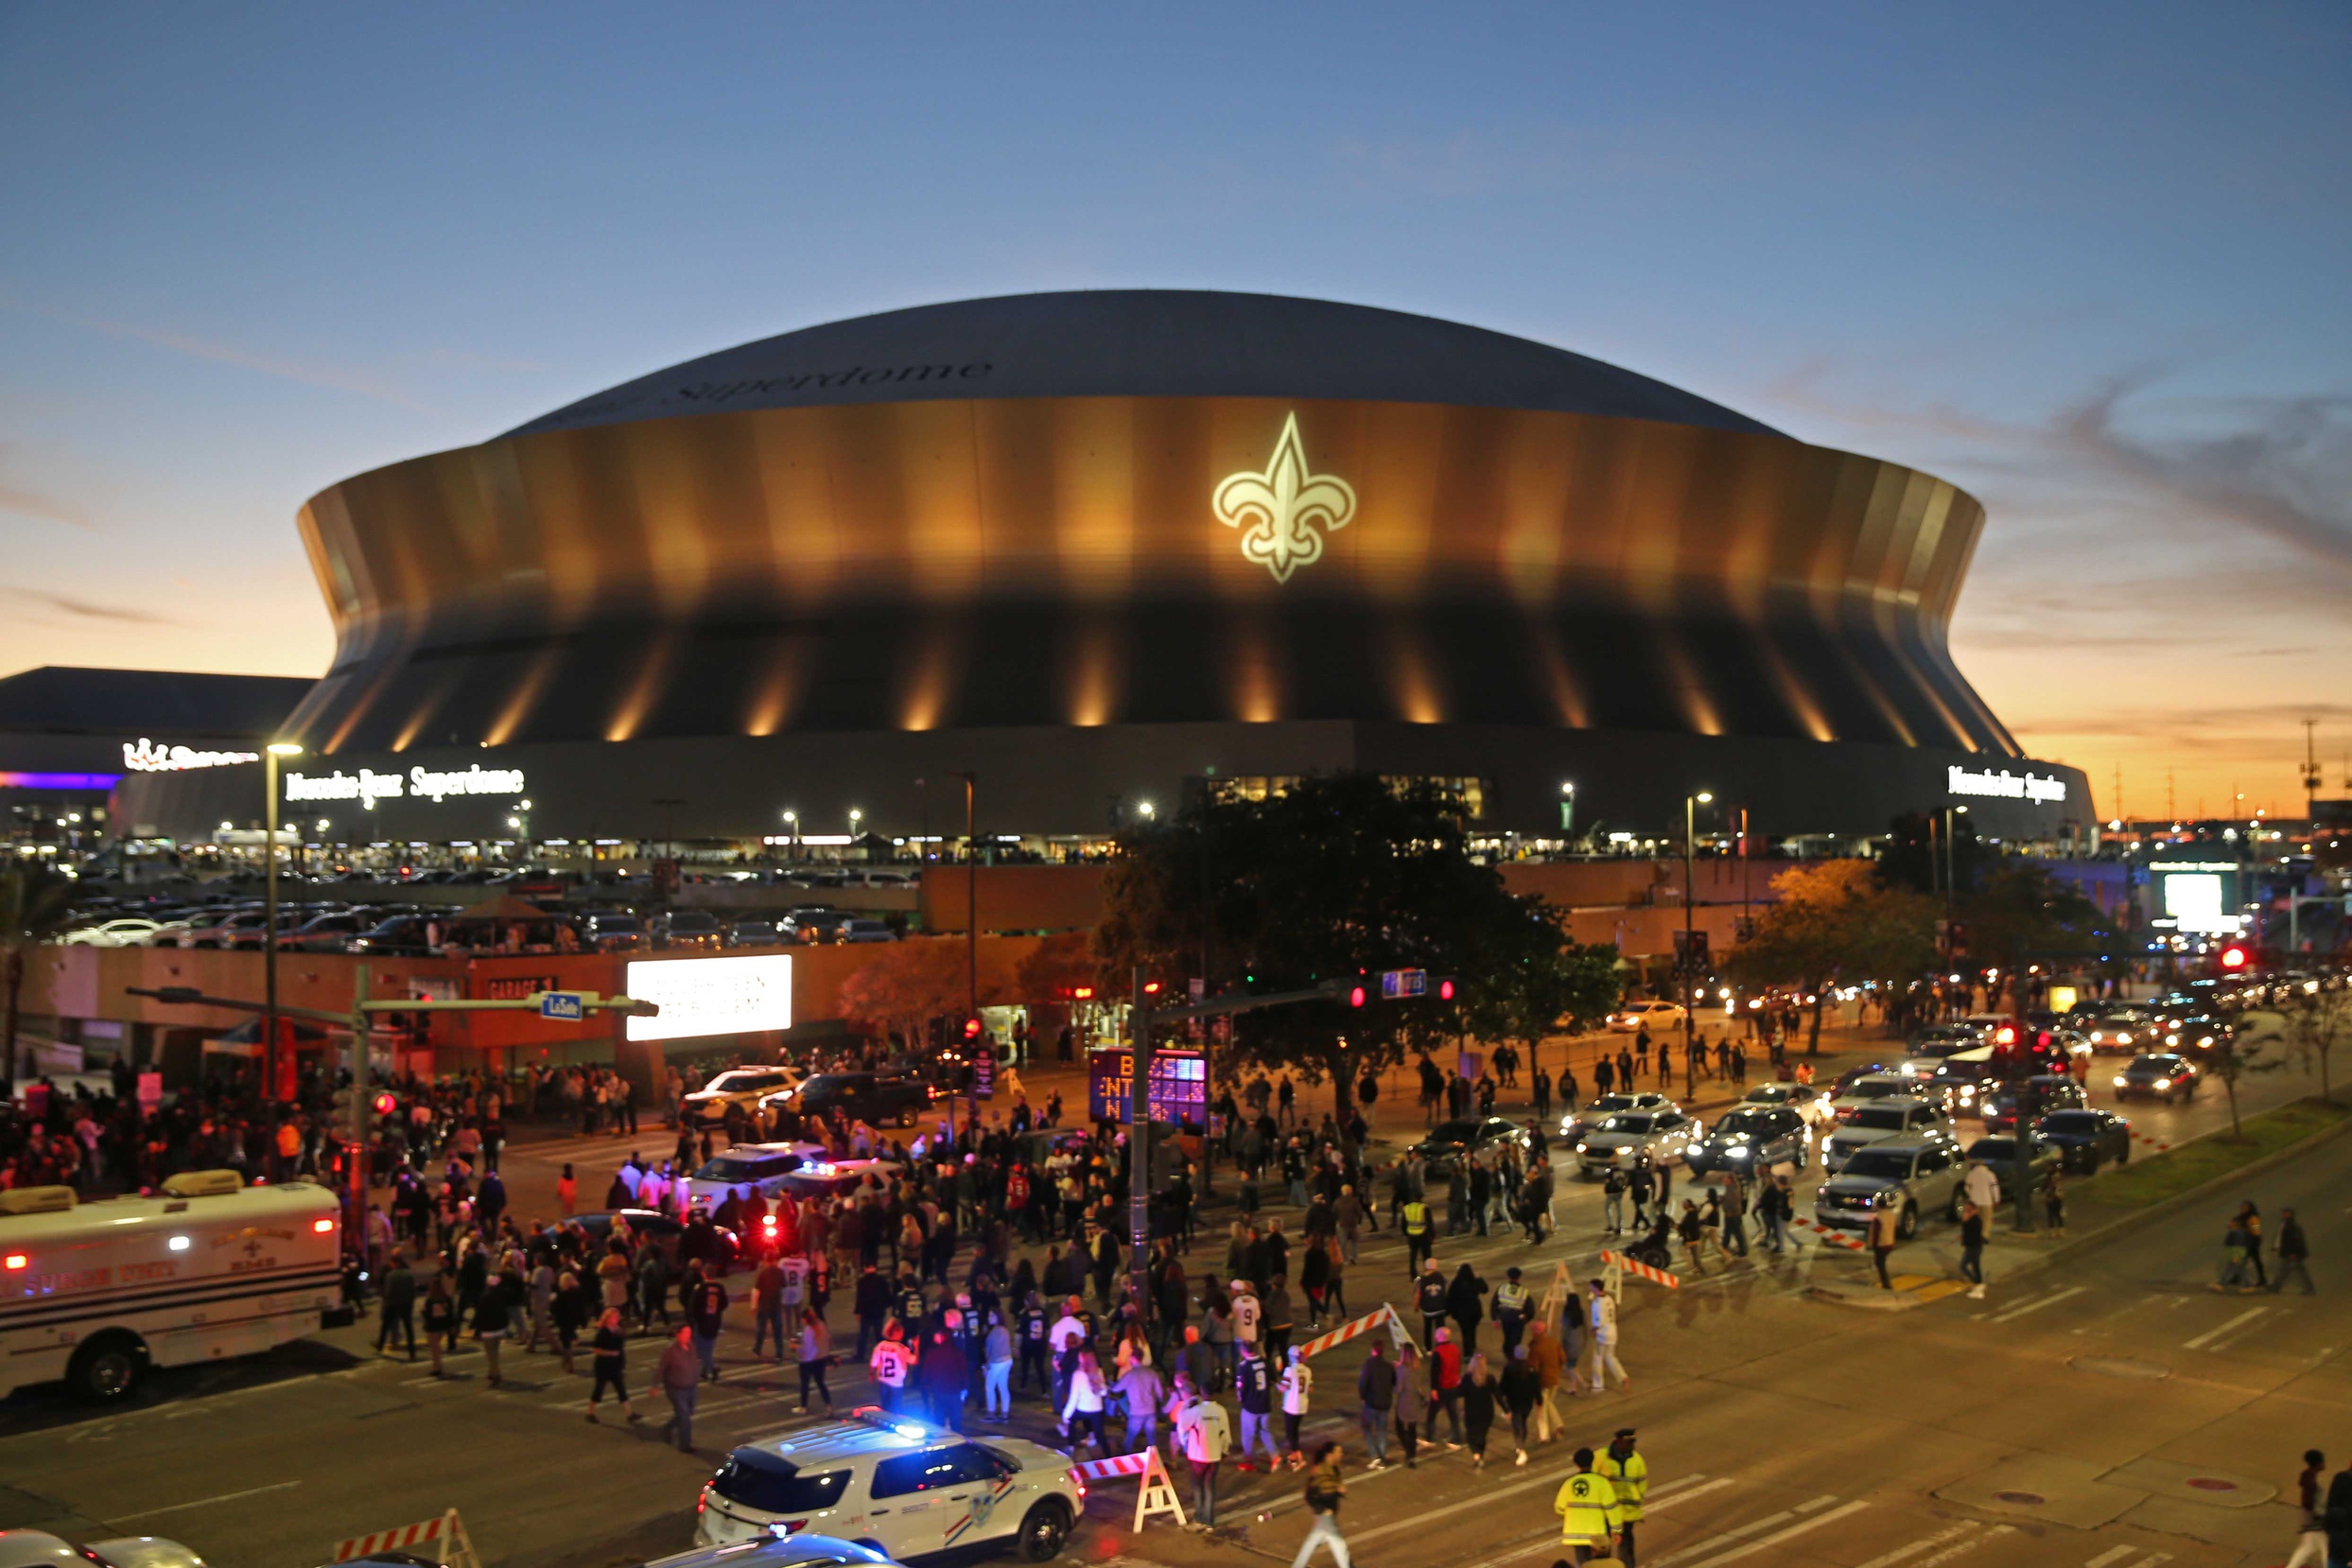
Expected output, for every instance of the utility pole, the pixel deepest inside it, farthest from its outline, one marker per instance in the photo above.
(270, 754)
(1139, 1145)
(2310, 771)
(971, 944)
(1690, 942)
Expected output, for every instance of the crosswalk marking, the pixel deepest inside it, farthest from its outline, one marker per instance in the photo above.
(2111, 1555)
(2210, 1334)
(1900, 1553)
(2050, 1300)
(1709, 1544)
(1786, 1533)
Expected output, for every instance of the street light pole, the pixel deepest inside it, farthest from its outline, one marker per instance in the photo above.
(972, 940)
(1690, 941)
(270, 754)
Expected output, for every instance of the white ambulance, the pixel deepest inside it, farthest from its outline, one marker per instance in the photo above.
(97, 1293)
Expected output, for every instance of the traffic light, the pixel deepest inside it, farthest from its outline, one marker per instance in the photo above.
(384, 1103)
(1356, 993)
(1442, 988)
(971, 1028)
(2236, 958)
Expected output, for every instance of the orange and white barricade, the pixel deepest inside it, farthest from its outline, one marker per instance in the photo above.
(1619, 1265)
(1829, 1235)
(443, 1538)
(1340, 1335)
(1154, 1493)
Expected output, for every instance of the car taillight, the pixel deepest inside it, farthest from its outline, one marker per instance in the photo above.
(1077, 1478)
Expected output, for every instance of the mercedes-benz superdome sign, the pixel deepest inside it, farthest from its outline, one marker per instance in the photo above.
(711, 995)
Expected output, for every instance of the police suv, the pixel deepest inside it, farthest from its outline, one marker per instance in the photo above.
(903, 1487)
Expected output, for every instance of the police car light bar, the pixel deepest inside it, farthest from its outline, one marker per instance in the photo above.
(881, 1419)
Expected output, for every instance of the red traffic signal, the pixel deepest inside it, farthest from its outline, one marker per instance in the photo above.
(971, 1028)
(384, 1103)
(1357, 996)
(1443, 986)
(2236, 956)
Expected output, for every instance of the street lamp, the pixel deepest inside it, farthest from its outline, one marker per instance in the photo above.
(1567, 808)
(1690, 942)
(1144, 807)
(271, 753)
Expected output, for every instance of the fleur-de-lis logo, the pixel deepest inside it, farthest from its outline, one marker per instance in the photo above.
(1283, 506)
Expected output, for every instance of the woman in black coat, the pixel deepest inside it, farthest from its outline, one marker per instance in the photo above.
(1478, 1396)
(1463, 1306)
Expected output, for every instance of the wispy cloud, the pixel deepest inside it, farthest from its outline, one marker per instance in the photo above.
(333, 377)
(84, 609)
(29, 503)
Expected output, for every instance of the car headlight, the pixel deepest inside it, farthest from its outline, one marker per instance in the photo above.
(1737, 1151)
(2122, 1082)
(2164, 1083)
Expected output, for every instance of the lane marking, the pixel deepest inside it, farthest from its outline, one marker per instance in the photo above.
(2210, 1334)
(1725, 1537)
(2015, 1312)
(1887, 1560)
(2112, 1554)
(1965, 1547)
(1486, 1499)
(1778, 1536)
(205, 1501)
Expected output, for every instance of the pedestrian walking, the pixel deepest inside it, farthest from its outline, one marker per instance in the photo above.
(2311, 1524)
(1082, 1407)
(2053, 1204)
(2294, 1255)
(1202, 1433)
(2232, 1275)
(815, 1350)
(1376, 1396)
(1412, 1401)
(1253, 1385)
(399, 1306)
(1480, 1396)
(706, 1302)
(1548, 1358)
(1601, 1330)
(493, 1320)
(1325, 1488)
(679, 1374)
(1144, 1390)
(1296, 1389)
(2252, 1217)
(996, 1377)
(1972, 1248)
(1518, 1388)
(1886, 1230)
(611, 1346)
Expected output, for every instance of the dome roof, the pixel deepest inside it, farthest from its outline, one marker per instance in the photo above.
(1143, 342)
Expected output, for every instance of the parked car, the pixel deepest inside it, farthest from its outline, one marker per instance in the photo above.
(325, 932)
(752, 933)
(612, 931)
(688, 929)
(815, 925)
(403, 935)
(40, 1549)
(2087, 1139)
(1470, 1135)
(793, 1549)
(857, 929)
(124, 931)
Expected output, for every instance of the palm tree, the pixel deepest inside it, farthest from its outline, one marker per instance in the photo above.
(33, 904)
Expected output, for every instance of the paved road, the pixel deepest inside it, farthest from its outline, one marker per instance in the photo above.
(1782, 1429)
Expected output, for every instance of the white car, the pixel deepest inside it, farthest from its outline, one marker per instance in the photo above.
(125, 933)
(1575, 1123)
(1660, 1016)
(900, 1486)
(1666, 1134)
(1880, 1120)
(40, 1549)
(761, 1165)
(1810, 1104)
(791, 1551)
(739, 1086)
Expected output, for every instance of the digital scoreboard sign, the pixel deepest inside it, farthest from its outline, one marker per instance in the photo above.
(1178, 1089)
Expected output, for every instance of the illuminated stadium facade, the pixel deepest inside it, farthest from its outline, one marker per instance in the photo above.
(1106, 549)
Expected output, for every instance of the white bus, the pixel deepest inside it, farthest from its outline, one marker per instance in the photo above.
(98, 1293)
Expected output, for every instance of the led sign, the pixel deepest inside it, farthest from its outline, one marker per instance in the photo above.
(368, 785)
(144, 755)
(2004, 784)
(711, 995)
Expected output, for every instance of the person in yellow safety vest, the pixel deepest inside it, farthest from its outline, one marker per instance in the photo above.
(1414, 1221)
(1629, 1473)
(1587, 1505)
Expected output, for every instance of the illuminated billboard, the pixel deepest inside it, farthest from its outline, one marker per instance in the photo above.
(700, 997)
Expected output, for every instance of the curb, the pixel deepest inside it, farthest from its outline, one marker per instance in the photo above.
(2177, 1201)
(1867, 1299)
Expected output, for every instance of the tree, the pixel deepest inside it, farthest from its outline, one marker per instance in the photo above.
(907, 987)
(2020, 917)
(2231, 1057)
(2316, 1014)
(1834, 922)
(1061, 962)
(1333, 878)
(1541, 982)
(33, 902)
(1915, 856)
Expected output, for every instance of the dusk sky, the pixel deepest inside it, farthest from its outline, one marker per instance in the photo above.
(2092, 262)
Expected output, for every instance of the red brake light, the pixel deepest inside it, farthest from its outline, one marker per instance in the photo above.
(18, 1260)
(324, 1228)
(768, 1221)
